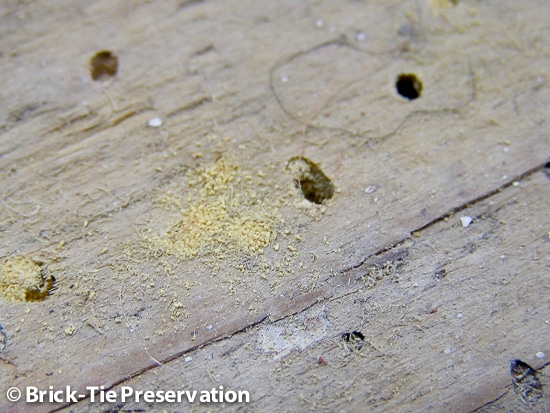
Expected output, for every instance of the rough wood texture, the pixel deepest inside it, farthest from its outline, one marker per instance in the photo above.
(441, 325)
(87, 188)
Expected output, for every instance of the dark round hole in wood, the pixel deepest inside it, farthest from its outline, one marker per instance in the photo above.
(314, 184)
(440, 274)
(354, 335)
(104, 63)
(354, 340)
(408, 86)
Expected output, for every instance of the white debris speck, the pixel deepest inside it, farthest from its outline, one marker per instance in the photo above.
(516, 183)
(466, 221)
(209, 327)
(319, 23)
(154, 123)
(505, 177)
(540, 355)
(370, 189)
(284, 79)
(188, 359)
(459, 315)
(448, 350)
(506, 149)
(361, 36)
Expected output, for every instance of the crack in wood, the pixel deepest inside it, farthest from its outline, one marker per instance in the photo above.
(481, 198)
(169, 359)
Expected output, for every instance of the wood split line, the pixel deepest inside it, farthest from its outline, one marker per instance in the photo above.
(159, 363)
(481, 198)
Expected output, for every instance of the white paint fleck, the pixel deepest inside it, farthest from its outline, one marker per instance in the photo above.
(188, 359)
(540, 355)
(370, 189)
(448, 350)
(154, 123)
(319, 23)
(361, 36)
(459, 315)
(466, 221)
(516, 183)
(284, 79)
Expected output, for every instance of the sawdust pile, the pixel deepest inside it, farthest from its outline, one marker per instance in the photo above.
(22, 279)
(228, 208)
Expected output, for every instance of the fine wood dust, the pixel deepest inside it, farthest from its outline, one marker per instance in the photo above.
(22, 279)
(228, 208)
(227, 229)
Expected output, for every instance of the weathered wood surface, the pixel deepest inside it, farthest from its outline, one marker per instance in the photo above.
(440, 327)
(84, 180)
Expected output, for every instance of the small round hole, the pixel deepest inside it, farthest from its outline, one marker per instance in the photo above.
(314, 184)
(104, 63)
(408, 86)
(354, 340)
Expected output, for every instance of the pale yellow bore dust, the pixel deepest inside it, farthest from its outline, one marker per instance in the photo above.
(228, 208)
(22, 279)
